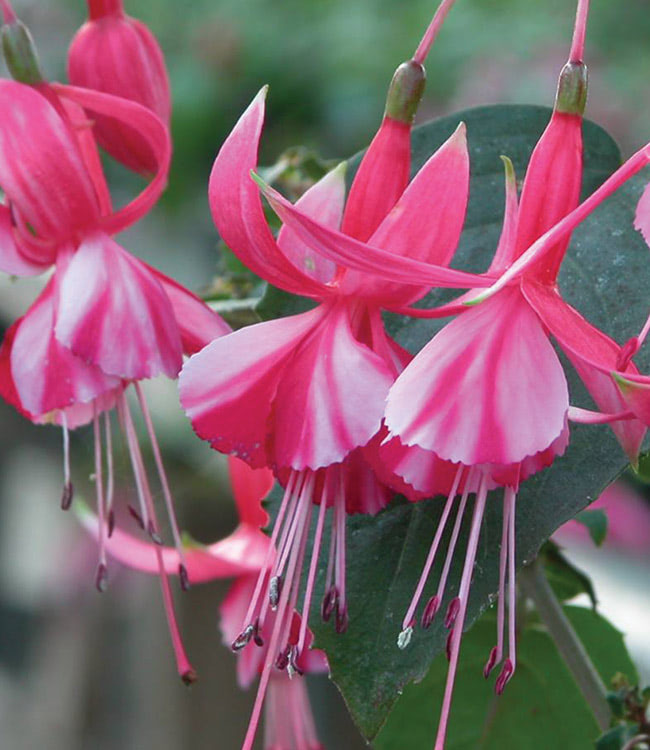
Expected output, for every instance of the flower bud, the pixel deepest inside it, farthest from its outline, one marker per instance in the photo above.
(405, 92)
(20, 53)
(571, 96)
(118, 55)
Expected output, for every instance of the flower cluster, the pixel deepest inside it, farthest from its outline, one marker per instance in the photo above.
(325, 401)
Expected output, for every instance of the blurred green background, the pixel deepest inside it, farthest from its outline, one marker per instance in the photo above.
(83, 671)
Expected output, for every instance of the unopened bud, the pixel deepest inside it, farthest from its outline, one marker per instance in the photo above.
(405, 92)
(571, 97)
(20, 53)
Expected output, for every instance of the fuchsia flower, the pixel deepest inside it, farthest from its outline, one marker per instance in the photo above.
(289, 723)
(117, 54)
(488, 396)
(305, 394)
(105, 319)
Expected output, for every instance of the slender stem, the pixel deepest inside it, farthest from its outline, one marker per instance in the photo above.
(432, 31)
(580, 30)
(536, 587)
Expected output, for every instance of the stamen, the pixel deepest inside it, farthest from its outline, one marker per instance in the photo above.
(243, 639)
(340, 518)
(452, 612)
(169, 502)
(68, 489)
(136, 516)
(512, 594)
(410, 613)
(101, 577)
(286, 501)
(497, 652)
(185, 669)
(442, 584)
(110, 484)
(404, 638)
(463, 595)
(126, 423)
(275, 588)
(430, 611)
(504, 677)
(313, 566)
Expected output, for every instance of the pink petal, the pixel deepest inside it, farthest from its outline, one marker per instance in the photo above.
(331, 398)
(551, 187)
(488, 388)
(250, 487)
(15, 257)
(241, 553)
(227, 389)
(237, 210)
(149, 126)
(426, 222)
(324, 202)
(365, 257)
(642, 216)
(113, 312)
(41, 169)
(7, 386)
(380, 180)
(48, 376)
(198, 324)
(593, 354)
(363, 489)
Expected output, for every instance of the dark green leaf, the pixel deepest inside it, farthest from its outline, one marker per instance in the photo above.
(617, 737)
(566, 580)
(596, 523)
(542, 707)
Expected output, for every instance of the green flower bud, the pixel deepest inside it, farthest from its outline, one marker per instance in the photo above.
(571, 95)
(405, 92)
(20, 53)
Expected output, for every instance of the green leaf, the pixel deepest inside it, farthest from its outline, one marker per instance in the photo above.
(617, 737)
(606, 275)
(541, 707)
(596, 523)
(567, 581)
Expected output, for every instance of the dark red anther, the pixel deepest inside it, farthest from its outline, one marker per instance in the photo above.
(430, 611)
(183, 577)
(67, 495)
(101, 578)
(329, 603)
(490, 663)
(342, 620)
(136, 516)
(189, 677)
(243, 639)
(282, 662)
(504, 677)
(259, 641)
(450, 637)
(111, 523)
(452, 612)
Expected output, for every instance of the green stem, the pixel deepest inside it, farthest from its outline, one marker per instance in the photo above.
(536, 586)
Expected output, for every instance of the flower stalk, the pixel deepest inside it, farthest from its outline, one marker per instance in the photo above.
(536, 587)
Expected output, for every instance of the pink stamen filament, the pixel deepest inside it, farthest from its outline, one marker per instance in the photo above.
(66, 496)
(110, 482)
(512, 603)
(287, 499)
(169, 502)
(185, 669)
(101, 510)
(442, 585)
(313, 567)
(280, 628)
(432, 31)
(579, 32)
(457, 632)
(126, 424)
(340, 520)
(287, 543)
(410, 613)
(503, 564)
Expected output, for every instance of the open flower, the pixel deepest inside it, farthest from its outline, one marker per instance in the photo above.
(105, 319)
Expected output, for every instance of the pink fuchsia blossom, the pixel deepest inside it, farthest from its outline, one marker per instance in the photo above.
(105, 319)
(117, 54)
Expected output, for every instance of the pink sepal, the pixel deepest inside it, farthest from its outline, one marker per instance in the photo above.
(15, 256)
(380, 180)
(149, 126)
(237, 209)
(228, 388)
(642, 216)
(113, 312)
(250, 487)
(46, 374)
